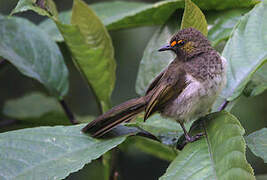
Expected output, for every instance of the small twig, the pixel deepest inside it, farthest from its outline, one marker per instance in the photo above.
(113, 165)
(68, 112)
(7, 122)
(2, 62)
(223, 105)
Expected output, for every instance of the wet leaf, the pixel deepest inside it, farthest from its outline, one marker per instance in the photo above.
(92, 49)
(34, 54)
(193, 17)
(257, 143)
(218, 155)
(49, 152)
(246, 50)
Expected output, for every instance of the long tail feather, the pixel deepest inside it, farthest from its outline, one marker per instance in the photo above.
(121, 113)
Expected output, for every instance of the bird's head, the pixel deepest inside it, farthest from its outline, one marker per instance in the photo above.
(188, 43)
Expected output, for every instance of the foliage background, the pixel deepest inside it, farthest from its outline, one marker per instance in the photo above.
(129, 46)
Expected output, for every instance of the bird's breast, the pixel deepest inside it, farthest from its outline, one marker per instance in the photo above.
(197, 98)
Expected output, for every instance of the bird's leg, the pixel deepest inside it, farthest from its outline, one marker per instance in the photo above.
(188, 137)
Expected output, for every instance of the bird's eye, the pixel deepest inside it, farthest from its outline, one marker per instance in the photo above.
(180, 42)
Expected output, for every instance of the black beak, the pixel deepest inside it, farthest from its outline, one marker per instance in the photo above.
(165, 48)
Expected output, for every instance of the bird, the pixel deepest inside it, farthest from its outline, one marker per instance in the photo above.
(185, 90)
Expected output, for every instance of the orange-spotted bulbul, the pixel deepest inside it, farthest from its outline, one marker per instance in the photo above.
(186, 89)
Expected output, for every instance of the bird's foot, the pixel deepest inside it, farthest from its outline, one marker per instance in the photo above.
(193, 138)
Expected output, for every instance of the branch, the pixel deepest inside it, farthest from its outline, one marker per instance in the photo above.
(7, 122)
(68, 112)
(2, 62)
(223, 105)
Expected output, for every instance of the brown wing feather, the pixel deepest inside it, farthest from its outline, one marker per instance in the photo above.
(155, 81)
(169, 86)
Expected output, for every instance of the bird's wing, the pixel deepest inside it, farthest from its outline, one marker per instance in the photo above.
(171, 84)
(155, 81)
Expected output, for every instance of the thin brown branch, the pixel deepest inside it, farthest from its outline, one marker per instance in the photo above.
(223, 105)
(68, 112)
(7, 122)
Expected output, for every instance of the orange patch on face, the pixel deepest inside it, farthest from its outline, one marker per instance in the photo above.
(173, 43)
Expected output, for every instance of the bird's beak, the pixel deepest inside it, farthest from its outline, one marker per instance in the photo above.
(165, 48)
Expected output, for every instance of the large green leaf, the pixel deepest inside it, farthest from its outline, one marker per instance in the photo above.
(246, 50)
(92, 49)
(36, 108)
(151, 147)
(221, 23)
(166, 130)
(193, 17)
(258, 82)
(121, 14)
(34, 54)
(218, 155)
(225, 4)
(45, 7)
(153, 62)
(257, 143)
(49, 152)
(134, 15)
(50, 27)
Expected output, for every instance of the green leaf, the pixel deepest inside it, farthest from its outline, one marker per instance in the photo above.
(44, 8)
(120, 14)
(222, 24)
(34, 54)
(166, 130)
(193, 17)
(153, 62)
(258, 82)
(36, 108)
(152, 147)
(257, 143)
(50, 27)
(225, 4)
(92, 49)
(106, 165)
(246, 50)
(129, 14)
(218, 155)
(39, 109)
(49, 152)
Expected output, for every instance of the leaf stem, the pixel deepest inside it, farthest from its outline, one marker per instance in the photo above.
(2, 62)
(223, 105)
(7, 122)
(68, 112)
(114, 174)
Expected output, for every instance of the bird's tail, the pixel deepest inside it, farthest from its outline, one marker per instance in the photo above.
(121, 113)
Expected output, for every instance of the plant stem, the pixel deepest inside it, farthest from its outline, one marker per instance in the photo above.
(113, 164)
(68, 112)
(7, 122)
(2, 62)
(223, 105)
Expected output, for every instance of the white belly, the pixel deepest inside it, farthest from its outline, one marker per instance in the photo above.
(196, 99)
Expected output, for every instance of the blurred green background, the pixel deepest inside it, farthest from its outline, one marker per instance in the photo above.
(129, 46)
